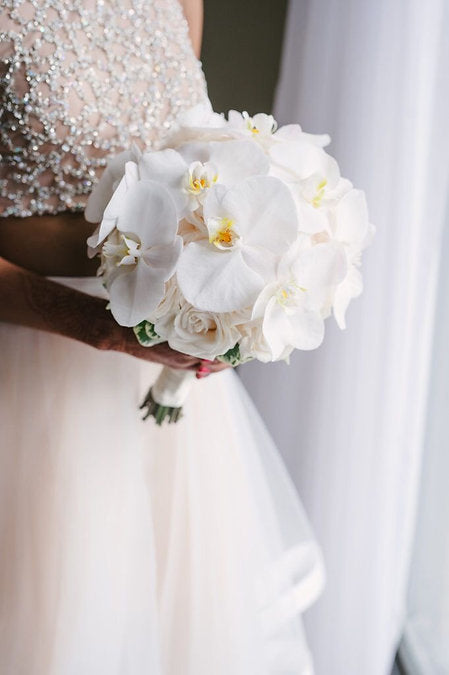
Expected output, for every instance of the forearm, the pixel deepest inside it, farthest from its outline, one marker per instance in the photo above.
(48, 245)
(30, 300)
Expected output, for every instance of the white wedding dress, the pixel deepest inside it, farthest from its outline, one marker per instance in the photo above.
(127, 549)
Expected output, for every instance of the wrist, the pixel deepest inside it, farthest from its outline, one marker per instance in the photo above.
(107, 334)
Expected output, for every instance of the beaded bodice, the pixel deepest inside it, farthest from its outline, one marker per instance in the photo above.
(82, 80)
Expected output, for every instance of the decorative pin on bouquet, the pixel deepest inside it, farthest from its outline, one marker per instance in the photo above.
(233, 242)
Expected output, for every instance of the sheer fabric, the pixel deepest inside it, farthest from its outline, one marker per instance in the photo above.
(127, 549)
(373, 75)
(424, 649)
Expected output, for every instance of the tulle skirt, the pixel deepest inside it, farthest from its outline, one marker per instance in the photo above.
(128, 549)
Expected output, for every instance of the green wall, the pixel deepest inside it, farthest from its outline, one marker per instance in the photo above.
(241, 52)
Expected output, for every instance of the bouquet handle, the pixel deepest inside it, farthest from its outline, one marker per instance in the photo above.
(167, 395)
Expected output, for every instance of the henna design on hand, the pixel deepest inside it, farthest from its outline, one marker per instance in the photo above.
(68, 312)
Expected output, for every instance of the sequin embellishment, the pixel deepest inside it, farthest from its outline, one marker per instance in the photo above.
(81, 81)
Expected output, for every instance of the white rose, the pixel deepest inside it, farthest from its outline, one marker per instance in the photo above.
(164, 314)
(202, 334)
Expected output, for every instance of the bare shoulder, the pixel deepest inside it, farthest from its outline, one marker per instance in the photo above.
(193, 11)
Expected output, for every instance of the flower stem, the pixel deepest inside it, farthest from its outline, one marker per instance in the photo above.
(158, 411)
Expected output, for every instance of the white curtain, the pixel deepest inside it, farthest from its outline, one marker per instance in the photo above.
(425, 644)
(350, 417)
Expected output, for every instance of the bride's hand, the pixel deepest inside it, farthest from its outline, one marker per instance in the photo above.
(163, 354)
(30, 300)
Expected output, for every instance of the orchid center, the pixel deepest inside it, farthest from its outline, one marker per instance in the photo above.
(319, 193)
(200, 177)
(126, 251)
(289, 294)
(223, 235)
(250, 123)
(265, 124)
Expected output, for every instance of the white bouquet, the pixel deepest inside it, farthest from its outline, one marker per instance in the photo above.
(234, 242)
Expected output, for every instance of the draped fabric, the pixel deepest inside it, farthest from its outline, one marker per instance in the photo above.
(132, 549)
(425, 645)
(350, 417)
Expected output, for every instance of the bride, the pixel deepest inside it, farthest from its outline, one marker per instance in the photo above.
(126, 549)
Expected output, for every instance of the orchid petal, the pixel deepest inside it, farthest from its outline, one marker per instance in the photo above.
(237, 160)
(115, 205)
(302, 329)
(320, 266)
(350, 288)
(262, 261)
(216, 281)
(168, 168)
(135, 294)
(301, 158)
(310, 219)
(264, 212)
(351, 216)
(149, 212)
(164, 258)
(263, 299)
(195, 152)
(103, 191)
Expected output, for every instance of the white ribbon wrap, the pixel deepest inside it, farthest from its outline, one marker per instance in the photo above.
(172, 386)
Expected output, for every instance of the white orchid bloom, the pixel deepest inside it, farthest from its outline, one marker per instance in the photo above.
(314, 179)
(144, 249)
(190, 172)
(198, 179)
(291, 306)
(288, 322)
(253, 345)
(260, 128)
(114, 208)
(110, 178)
(250, 225)
(264, 129)
(259, 125)
(352, 229)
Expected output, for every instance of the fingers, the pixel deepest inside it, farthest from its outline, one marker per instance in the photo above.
(208, 367)
(203, 370)
(169, 357)
(166, 356)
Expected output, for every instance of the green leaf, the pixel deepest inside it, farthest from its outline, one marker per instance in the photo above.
(146, 335)
(232, 356)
